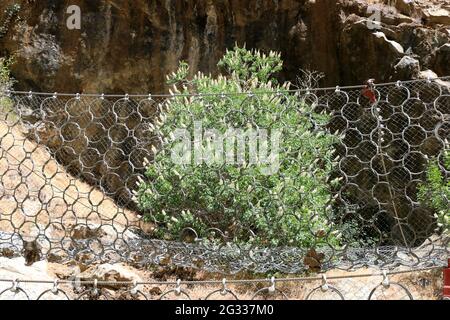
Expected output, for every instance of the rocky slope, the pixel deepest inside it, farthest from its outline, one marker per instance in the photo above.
(129, 46)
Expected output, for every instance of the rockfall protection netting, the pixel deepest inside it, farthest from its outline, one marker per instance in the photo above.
(421, 284)
(69, 165)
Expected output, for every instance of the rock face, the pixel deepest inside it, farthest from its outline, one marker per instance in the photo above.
(442, 62)
(438, 16)
(407, 67)
(129, 46)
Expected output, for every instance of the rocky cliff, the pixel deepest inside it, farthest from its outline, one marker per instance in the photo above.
(129, 46)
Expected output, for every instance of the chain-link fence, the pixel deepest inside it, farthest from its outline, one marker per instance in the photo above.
(74, 169)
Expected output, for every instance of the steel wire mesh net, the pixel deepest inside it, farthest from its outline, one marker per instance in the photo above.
(72, 167)
(400, 285)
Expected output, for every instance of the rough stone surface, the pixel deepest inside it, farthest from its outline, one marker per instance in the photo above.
(438, 16)
(442, 59)
(407, 68)
(129, 46)
(429, 74)
(110, 272)
(405, 6)
(16, 269)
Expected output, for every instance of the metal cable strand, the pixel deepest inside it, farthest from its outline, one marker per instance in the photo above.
(230, 281)
(150, 96)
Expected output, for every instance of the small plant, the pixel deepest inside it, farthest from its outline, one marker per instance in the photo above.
(289, 207)
(10, 13)
(435, 192)
(6, 83)
(246, 66)
(5, 74)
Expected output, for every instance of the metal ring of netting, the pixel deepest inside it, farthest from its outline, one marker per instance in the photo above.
(177, 291)
(408, 293)
(325, 287)
(386, 284)
(328, 289)
(59, 291)
(223, 291)
(272, 290)
(15, 289)
(136, 293)
(55, 291)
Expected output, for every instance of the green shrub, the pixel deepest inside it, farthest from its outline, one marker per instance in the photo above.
(435, 192)
(288, 205)
(6, 83)
(11, 13)
(5, 75)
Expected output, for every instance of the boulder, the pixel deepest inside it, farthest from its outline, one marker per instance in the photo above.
(109, 272)
(393, 46)
(405, 7)
(430, 74)
(401, 18)
(85, 232)
(438, 16)
(16, 269)
(442, 60)
(407, 68)
(368, 54)
(427, 74)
